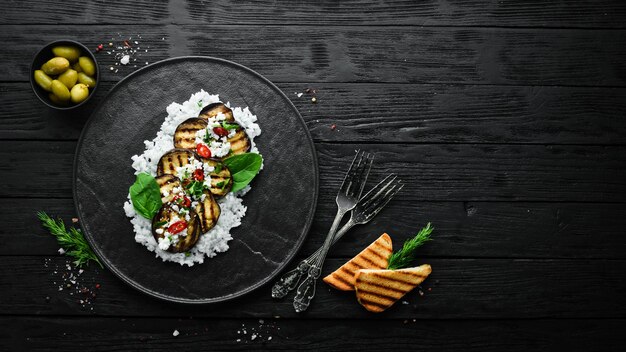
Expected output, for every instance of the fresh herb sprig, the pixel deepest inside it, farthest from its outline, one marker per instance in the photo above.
(404, 257)
(196, 188)
(71, 240)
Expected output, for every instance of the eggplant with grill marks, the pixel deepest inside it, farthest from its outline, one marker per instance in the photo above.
(167, 183)
(239, 143)
(185, 135)
(208, 211)
(212, 110)
(221, 179)
(174, 159)
(187, 237)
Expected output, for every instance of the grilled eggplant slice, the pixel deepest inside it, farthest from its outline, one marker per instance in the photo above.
(174, 159)
(239, 143)
(208, 211)
(186, 238)
(167, 183)
(185, 135)
(221, 179)
(212, 110)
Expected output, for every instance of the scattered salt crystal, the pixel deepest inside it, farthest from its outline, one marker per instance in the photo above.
(238, 340)
(175, 333)
(61, 251)
(405, 302)
(136, 42)
(253, 337)
(261, 321)
(269, 338)
(125, 59)
(299, 94)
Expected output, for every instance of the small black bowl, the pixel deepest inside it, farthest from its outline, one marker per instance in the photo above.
(46, 54)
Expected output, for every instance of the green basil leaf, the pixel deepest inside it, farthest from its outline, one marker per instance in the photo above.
(243, 168)
(145, 196)
(230, 126)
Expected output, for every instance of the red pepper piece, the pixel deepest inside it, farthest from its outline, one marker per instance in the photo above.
(198, 175)
(220, 131)
(203, 150)
(177, 227)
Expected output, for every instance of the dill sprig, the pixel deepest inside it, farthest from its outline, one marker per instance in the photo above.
(72, 240)
(404, 257)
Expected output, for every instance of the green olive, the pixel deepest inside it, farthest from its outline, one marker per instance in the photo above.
(79, 93)
(68, 78)
(43, 80)
(60, 90)
(71, 53)
(56, 66)
(86, 80)
(57, 101)
(76, 67)
(87, 65)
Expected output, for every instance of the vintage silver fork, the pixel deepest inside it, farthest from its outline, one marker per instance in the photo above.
(365, 210)
(346, 200)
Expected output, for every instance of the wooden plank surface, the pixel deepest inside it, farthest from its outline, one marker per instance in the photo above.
(462, 229)
(459, 288)
(438, 172)
(393, 113)
(581, 14)
(348, 54)
(505, 118)
(155, 334)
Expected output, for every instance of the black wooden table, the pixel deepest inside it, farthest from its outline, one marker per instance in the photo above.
(505, 118)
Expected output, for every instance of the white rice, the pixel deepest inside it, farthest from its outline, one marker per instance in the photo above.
(232, 208)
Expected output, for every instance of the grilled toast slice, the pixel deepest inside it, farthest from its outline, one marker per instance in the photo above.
(377, 290)
(375, 256)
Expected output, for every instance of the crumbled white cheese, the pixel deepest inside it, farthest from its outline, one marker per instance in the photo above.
(159, 231)
(164, 243)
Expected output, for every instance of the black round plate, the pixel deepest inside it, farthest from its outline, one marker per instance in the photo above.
(280, 205)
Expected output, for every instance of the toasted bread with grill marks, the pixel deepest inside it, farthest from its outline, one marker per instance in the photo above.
(375, 256)
(377, 290)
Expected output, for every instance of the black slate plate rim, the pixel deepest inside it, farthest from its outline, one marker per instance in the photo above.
(137, 286)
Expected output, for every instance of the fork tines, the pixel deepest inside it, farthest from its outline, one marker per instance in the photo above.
(358, 172)
(378, 197)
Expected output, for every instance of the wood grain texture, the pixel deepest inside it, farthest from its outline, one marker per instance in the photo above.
(462, 229)
(437, 172)
(393, 113)
(582, 14)
(460, 289)
(155, 334)
(349, 54)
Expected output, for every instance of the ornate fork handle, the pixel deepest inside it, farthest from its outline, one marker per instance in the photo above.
(306, 290)
(289, 281)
